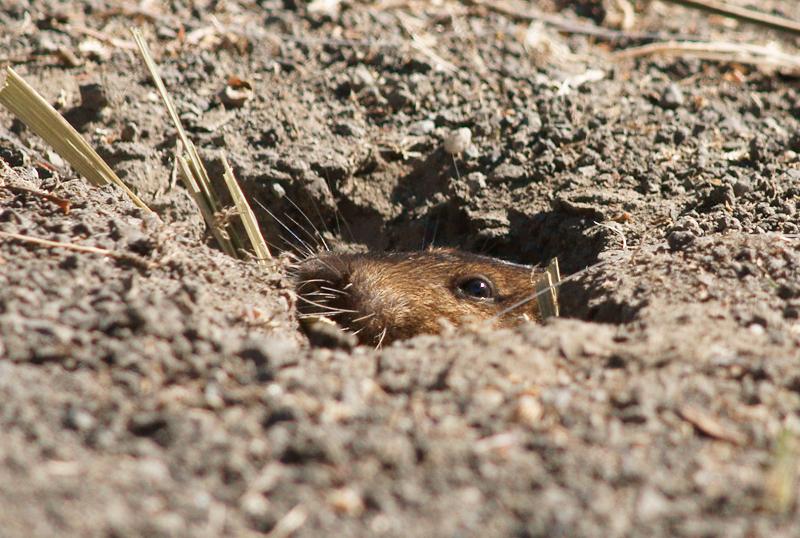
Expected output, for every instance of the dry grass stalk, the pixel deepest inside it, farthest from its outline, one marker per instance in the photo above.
(30, 107)
(126, 256)
(246, 214)
(62, 203)
(192, 184)
(742, 13)
(523, 11)
(547, 290)
(744, 53)
(196, 179)
(780, 484)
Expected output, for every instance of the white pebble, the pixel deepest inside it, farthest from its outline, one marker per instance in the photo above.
(457, 141)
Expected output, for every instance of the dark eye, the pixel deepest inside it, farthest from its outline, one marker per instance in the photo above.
(476, 287)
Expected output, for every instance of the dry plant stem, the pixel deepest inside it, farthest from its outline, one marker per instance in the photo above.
(418, 44)
(205, 209)
(546, 289)
(197, 181)
(557, 281)
(554, 273)
(126, 256)
(718, 51)
(742, 13)
(780, 484)
(30, 107)
(711, 425)
(547, 307)
(528, 14)
(193, 172)
(100, 36)
(246, 214)
(63, 203)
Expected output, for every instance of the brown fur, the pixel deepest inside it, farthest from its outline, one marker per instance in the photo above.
(408, 293)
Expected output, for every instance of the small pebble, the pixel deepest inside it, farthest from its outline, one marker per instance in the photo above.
(255, 506)
(457, 141)
(529, 411)
(476, 181)
(93, 97)
(422, 127)
(346, 501)
(278, 189)
(672, 97)
(78, 419)
(362, 77)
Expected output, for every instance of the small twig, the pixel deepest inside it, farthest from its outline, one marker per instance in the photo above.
(62, 203)
(716, 50)
(616, 230)
(25, 103)
(133, 12)
(330, 42)
(100, 36)
(710, 425)
(124, 256)
(573, 27)
(418, 44)
(742, 13)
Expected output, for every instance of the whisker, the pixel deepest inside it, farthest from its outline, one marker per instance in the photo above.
(309, 254)
(336, 212)
(279, 221)
(273, 246)
(337, 215)
(295, 249)
(319, 315)
(338, 224)
(573, 276)
(304, 283)
(341, 310)
(324, 244)
(320, 294)
(324, 306)
(304, 250)
(333, 269)
(334, 290)
(455, 165)
(309, 234)
(362, 318)
(383, 335)
(327, 310)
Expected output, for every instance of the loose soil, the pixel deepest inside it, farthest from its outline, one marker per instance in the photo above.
(164, 389)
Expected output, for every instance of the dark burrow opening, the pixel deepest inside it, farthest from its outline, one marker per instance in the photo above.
(310, 212)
